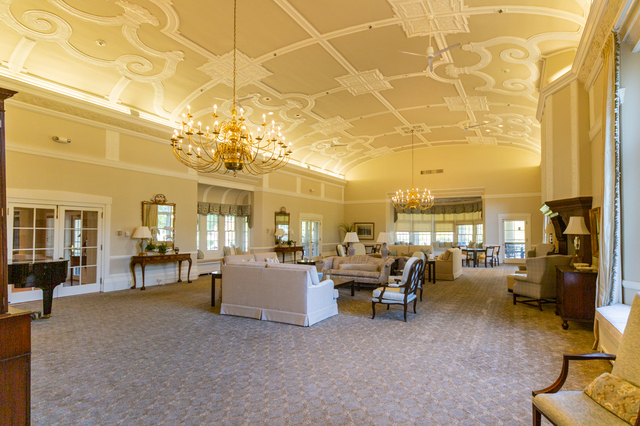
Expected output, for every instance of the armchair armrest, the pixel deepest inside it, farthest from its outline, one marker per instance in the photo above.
(555, 387)
(385, 271)
(327, 263)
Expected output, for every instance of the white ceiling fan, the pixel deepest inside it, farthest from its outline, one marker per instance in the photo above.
(430, 52)
(475, 125)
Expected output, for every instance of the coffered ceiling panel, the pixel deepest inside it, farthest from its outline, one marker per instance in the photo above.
(332, 74)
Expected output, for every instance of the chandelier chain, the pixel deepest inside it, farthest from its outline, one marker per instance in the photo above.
(235, 21)
(412, 199)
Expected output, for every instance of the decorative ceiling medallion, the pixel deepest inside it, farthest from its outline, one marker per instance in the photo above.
(417, 128)
(332, 125)
(364, 82)
(481, 140)
(139, 13)
(474, 103)
(447, 16)
(247, 71)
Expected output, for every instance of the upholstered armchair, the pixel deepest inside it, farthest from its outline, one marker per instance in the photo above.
(539, 285)
(401, 294)
(359, 249)
(540, 250)
(611, 399)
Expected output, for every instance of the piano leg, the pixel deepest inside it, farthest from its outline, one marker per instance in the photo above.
(47, 300)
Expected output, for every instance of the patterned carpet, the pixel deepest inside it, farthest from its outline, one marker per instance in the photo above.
(165, 357)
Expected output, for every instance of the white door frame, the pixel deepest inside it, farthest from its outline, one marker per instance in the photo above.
(527, 234)
(312, 217)
(38, 196)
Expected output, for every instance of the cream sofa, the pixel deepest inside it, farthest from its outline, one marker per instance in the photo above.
(408, 250)
(451, 268)
(248, 258)
(373, 271)
(286, 293)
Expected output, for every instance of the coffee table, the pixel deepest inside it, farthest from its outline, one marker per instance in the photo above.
(214, 275)
(344, 282)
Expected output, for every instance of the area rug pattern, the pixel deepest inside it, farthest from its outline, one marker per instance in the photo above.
(165, 357)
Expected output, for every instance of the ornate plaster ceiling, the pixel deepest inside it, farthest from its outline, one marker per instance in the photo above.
(330, 72)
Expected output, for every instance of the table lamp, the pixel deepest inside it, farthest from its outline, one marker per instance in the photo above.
(576, 227)
(351, 238)
(549, 230)
(279, 234)
(384, 238)
(143, 233)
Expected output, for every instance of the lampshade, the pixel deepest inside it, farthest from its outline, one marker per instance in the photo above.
(549, 229)
(141, 232)
(576, 226)
(279, 232)
(351, 237)
(384, 237)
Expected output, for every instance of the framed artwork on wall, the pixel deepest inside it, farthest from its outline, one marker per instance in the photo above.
(365, 230)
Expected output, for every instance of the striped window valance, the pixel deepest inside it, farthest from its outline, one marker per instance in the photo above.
(447, 206)
(223, 209)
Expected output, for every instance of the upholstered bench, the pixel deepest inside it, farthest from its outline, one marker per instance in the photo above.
(610, 322)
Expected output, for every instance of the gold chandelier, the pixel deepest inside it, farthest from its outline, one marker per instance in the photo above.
(230, 144)
(412, 199)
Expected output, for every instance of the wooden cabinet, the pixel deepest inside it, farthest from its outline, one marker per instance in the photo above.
(15, 367)
(575, 294)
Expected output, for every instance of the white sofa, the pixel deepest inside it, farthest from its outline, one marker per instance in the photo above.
(286, 293)
(248, 258)
(407, 250)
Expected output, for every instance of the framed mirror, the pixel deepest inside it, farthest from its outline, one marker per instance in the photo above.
(159, 216)
(594, 216)
(282, 222)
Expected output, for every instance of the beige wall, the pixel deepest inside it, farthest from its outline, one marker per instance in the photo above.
(496, 172)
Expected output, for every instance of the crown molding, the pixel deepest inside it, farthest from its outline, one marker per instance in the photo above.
(298, 195)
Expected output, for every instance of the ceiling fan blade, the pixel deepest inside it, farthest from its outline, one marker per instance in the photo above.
(430, 63)
(411, 53)
(440, 52)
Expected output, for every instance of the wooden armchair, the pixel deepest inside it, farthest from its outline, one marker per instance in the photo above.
(578, 408)
(401, 294)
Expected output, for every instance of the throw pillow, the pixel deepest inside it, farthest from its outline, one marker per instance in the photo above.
(442, 256)
(271, 260)
(368, 267)
(471, 244)
(480, 245)
(248, 260)
(448, 245)
(616, 395)
(393, 252)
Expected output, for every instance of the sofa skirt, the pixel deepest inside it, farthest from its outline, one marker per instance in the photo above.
(303, 320)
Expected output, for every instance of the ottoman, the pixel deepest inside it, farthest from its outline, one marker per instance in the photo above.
(511, 280)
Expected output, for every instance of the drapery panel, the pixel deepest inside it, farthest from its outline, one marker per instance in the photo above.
(458, 208)
(609, 284)
(225, 210)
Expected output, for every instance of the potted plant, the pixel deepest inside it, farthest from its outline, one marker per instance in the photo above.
(345, 227)
(162, 248)
(150, 246)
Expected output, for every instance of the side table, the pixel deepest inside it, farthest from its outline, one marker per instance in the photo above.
(575, 294)
(431, 268)
(159, 258)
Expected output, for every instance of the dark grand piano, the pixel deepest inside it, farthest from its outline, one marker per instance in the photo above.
(45, 275)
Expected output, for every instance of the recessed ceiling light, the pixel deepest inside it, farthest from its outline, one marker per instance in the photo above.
(487, 130)
(267, 98)
(101, 43)
(270, 113)
(500, 125)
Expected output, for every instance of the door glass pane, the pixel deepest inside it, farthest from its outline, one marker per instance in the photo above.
(88, 274)
(44, 238)
(22, 255)
(90, 220)
(514, 239)
(23, 217)
(45, 218)
(90, 256)
(41, 255)
(22, 239)
(315, 238)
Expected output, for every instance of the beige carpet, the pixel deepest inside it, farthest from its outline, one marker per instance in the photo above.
(165, 357)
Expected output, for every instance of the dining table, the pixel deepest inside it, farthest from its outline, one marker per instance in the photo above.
(475, 253)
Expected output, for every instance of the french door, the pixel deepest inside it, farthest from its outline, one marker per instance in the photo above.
(311, 227)
(514, 237)
(40, 232)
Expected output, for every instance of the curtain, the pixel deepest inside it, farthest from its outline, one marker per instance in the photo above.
(225, 210)
(609, 284)
(458, 208)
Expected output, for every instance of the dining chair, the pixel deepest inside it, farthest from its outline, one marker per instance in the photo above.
(400, 294)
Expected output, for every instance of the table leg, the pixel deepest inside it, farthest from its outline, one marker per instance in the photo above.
(133, 272)
(213, 290)
(353, 285)
(143, 287)
(189, 271)
(179, 271)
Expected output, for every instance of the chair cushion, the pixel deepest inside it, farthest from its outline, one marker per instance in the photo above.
(616, 395)
(353, 273)
(575, 408)
(358, 267)
(393, 252)
(392, 295)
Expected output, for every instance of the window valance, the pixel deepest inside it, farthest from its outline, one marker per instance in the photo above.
(445, 206)
(225, 209)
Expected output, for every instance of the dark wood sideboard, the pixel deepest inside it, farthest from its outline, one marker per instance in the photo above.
(289, 249)
(575, 294)
(560, 211)
(159, 258)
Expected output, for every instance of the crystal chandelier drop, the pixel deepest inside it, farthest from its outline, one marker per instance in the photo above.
(230, 146)
(412, 199)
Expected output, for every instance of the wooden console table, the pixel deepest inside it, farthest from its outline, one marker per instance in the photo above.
(575, 294)
(159, 258)
(289, 249)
